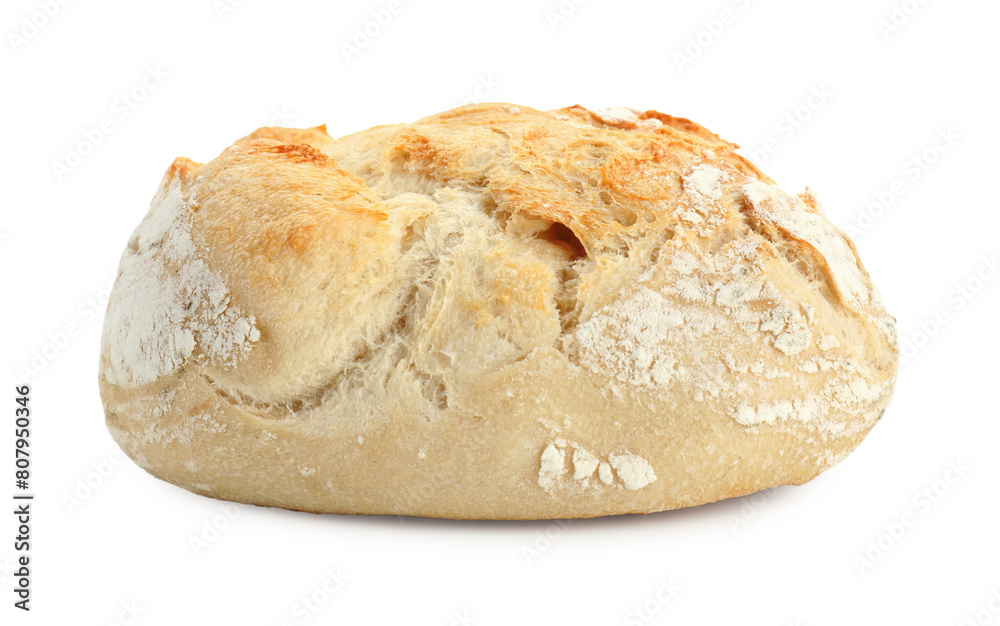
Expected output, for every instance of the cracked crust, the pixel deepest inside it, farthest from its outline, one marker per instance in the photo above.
(494, 312)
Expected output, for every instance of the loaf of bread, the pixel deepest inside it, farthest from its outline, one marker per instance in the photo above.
(492, 313)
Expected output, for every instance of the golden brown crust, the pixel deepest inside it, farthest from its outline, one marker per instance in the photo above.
(315, 136)
(495, 312)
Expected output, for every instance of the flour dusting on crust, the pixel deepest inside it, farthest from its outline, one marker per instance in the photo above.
(168, 305)
(783, 209)
(618, 116)
(629, 338)
(662, 333)
(634, 471)
(702, 192)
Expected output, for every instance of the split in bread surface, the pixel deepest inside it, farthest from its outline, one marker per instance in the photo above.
(492, 313)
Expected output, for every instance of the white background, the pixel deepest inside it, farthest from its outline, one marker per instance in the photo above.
(124, 546)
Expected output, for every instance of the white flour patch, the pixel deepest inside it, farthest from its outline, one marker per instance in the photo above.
(167, 303)
(635, 471)
(666, 339)
(828, 342)
(629, 338)
(552, 465)
(605, 474)
(584, 464)
(793, 341)
(801, 409)
(702, 193)
(773, 204)
(618, 115)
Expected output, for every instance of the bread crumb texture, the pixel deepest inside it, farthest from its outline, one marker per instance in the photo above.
(494, 312)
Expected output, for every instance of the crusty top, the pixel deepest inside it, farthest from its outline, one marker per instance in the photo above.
(342, 281)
